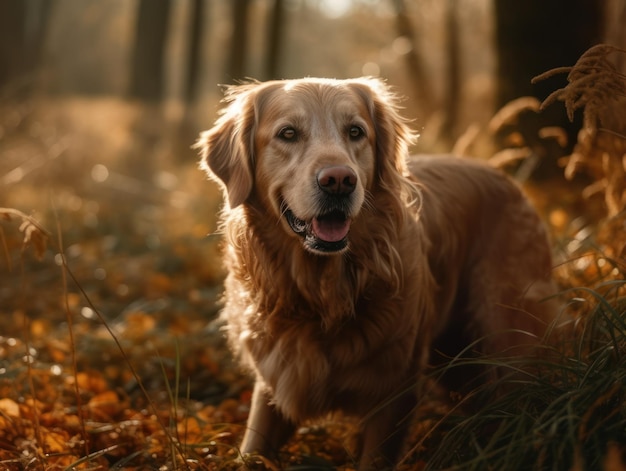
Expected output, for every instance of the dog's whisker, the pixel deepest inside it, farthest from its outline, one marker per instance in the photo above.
(368, 201)
(283, 211)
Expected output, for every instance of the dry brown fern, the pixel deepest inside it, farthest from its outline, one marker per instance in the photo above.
(34, 233)
(517, 142)
(509, 113)
(593, 82)
(597, 87)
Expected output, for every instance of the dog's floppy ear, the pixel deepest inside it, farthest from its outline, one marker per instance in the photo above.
(227, 149)
(393, 136)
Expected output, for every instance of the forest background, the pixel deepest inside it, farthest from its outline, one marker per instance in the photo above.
(110, 277)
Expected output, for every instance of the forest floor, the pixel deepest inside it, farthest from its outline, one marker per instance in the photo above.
(111, 356)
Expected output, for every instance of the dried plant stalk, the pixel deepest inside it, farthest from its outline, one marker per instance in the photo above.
(597, 87)
(34, 233)
(510, 112)
(593, 82)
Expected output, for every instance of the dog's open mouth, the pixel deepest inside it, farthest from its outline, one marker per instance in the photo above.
(326, 233)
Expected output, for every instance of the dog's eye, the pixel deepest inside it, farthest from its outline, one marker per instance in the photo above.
(356, 132)
(288, 134)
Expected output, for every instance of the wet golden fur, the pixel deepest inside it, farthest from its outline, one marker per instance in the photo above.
(436, 245)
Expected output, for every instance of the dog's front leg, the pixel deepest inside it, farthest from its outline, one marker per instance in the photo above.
(267, 429)
(383, 433)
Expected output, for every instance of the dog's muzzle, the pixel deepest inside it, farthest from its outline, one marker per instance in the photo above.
(327, 233)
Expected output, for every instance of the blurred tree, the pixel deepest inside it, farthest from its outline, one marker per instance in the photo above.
(239, 41)
(194, 51)
(453, 77)
(533, 36)
(615, 33)
(414, 61)
(275, 36)
(187, 129)
(23, 26)
(147, 71)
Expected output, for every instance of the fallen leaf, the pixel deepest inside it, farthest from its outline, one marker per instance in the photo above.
(9, 407)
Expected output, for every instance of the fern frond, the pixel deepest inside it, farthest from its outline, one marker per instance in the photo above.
(550, 73)
(593, 81)
(596, 86)
(509, 113)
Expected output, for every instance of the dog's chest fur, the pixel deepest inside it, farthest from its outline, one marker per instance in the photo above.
(311, 371)
(321, 333)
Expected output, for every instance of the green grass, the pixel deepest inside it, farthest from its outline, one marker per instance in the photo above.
(566, 413)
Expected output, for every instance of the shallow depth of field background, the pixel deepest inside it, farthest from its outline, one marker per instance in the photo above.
(118, 359)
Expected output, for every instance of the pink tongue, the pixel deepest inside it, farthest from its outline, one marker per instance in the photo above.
(331, 230)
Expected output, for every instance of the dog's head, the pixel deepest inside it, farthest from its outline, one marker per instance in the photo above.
(310, 151)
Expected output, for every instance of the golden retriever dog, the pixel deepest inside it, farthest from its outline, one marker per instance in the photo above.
(350, 263)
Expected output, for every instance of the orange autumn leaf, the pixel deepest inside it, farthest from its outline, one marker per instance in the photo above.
(54, 441)
(189, 429)
(106, 403)
(9, 407)
(92, 381)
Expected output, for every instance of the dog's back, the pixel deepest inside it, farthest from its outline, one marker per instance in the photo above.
(489, 254)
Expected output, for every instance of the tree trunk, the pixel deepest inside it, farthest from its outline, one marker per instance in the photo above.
(534, 36)
(615, 33)
(275, 36)
(147, 72)
(414, 60)
(23, 27)
(453, 79)
(194, 51)
(239, 41)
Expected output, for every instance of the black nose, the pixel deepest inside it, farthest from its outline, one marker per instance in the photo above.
(337, 180)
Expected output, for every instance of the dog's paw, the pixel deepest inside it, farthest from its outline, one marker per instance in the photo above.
(256, 462)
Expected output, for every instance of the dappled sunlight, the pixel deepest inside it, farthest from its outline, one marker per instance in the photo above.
(111, 278)
(134, 223)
